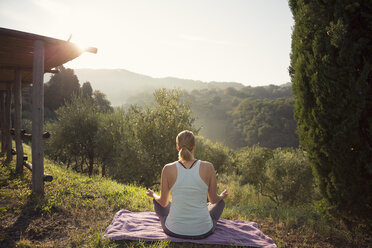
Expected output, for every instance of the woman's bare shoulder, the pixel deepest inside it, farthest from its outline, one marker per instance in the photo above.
(170, 166)
(206, 165)
(170, 172)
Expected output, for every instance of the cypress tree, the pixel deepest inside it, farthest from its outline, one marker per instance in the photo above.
(331, 64)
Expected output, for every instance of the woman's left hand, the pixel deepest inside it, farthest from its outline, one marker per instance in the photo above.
(224, 194)
(150, 193)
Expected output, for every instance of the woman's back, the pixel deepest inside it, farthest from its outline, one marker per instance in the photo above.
(189, 213)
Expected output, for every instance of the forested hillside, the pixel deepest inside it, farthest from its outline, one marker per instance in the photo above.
(241, 117)
(229, 113)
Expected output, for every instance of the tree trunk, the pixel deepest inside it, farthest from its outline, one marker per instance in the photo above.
(82, 165)
(91, 160)
(103, 169)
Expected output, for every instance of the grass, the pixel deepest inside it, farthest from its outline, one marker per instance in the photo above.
(76, 209)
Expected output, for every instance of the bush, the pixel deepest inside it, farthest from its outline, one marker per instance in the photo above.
(74, 134)
(118, 150)
(131, 145)
(215, 153)
(283, 175)
(290, 176)
(154, 128)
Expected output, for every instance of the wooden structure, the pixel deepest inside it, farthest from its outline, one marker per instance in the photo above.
(24, 58)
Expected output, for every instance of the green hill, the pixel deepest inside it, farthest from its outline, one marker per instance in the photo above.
(76, 209)
(74, 212)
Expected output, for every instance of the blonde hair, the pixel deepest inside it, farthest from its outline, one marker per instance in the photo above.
(185, 142)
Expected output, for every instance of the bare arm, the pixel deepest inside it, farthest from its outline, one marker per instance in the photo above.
(212, 187)
(163, 199)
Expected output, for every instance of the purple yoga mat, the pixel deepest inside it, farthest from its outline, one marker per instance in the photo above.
(146, 226)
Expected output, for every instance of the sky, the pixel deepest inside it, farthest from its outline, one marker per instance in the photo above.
(245, 41)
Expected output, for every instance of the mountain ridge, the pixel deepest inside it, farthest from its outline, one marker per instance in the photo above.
(125, 84)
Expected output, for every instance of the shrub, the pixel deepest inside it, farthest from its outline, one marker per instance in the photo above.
(73, 135)
(215, 153)
(283, 175)
(290, 176)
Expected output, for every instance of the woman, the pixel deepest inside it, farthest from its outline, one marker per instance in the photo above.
(190, 181)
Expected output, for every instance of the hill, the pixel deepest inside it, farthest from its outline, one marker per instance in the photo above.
(120, 84)
(76, 209)
(211, 103)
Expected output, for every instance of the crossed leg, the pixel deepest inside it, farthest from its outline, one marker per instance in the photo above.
(215, 211)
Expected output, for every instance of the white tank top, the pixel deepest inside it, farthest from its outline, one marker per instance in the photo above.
(188, 214)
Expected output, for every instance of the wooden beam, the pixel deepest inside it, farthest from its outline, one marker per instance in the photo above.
(38, 118)
(29, 36)
(18, 120)
(7, 123)
(91, 50)
(24, 68)
(28, 136)
(46, 177)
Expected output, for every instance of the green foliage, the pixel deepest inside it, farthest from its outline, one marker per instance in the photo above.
(220, 115)
(290, 176)
(74, 134)
(283, 175)
(154, 129)
(216, 153)
(60, 88)
(212, 109)
(86, 90)
(331, 71)
(130, 146)
(102, 102)
(252, 165)
(268, 123)
(116, 146)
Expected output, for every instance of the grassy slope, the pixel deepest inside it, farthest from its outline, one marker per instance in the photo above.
(76, 210)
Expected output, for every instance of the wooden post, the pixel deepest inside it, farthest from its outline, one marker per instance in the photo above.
(38, 118)
(7, 137)
(18, 120)
(2, 120)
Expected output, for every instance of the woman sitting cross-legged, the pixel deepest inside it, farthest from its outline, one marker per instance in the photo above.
(190, 181)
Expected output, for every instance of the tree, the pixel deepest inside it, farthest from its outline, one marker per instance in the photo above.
(86, 90)
(59, 89)
(331, 66)
(119, 151)
(283, 175)
(269, 123)
(102, 102)
(156, 127)
(74, 133)
(215, 153)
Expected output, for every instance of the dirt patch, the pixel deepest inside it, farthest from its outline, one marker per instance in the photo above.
(302, 237)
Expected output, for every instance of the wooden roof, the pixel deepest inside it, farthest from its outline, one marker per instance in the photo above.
(16, 53)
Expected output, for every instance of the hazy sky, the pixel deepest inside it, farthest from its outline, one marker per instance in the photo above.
(246, 41)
